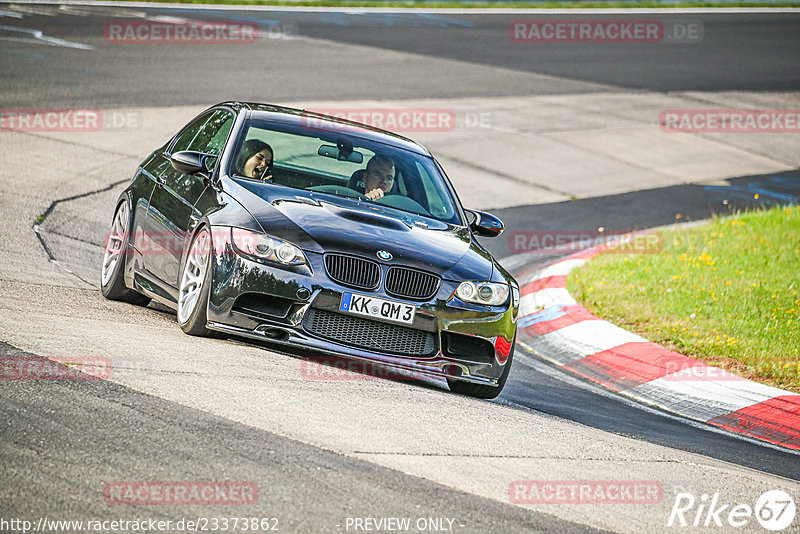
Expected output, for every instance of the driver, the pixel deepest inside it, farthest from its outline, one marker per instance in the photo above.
(255, 160)
(379, 177)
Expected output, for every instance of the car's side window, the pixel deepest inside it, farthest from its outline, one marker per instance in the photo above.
(214, 133)
(435, 204)
(207, 134)
(189, 133)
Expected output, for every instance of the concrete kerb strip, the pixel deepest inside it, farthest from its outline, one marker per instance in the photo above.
(555, 327)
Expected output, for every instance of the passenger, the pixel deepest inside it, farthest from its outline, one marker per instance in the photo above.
(379, 177)
(255, 160)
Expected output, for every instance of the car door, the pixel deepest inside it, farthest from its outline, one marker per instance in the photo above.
(172, 214)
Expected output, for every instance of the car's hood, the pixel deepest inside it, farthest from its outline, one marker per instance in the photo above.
(326, 223)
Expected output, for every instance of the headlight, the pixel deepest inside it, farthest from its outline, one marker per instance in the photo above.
(264, 247)
(487, 293)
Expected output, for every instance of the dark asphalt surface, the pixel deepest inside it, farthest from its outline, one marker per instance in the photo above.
(547, 392)
(649, 208)
(756, 52)
(63, 441)
(741, 52)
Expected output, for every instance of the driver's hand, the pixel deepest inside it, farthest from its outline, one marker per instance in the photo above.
(375, 194)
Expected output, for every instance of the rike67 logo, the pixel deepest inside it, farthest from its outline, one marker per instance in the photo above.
(774, 510)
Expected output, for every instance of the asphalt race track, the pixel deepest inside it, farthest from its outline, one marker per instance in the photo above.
(754, 52)
(556, 136)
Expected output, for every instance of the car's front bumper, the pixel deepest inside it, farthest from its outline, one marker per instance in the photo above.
(290, 293)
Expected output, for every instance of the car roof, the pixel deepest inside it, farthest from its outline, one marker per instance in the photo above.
(327, 123)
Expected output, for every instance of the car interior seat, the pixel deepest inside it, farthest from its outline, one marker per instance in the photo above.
(356, 181)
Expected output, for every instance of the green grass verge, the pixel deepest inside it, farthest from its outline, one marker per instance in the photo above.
(725, 293)
(482, 5)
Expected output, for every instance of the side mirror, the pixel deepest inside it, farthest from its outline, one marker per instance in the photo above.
(485, 224)
(189, 161)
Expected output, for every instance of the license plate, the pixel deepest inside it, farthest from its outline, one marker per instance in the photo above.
(377, 308)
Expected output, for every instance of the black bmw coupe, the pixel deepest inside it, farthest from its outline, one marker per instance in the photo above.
(284, 225)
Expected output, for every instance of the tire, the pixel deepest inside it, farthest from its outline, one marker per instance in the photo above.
(195, 285)
(112, 272)
(481, 391)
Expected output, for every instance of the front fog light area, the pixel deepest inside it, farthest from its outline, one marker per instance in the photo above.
(264, 247)
(487, 293)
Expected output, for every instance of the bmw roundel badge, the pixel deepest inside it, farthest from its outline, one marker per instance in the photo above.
(384, 255)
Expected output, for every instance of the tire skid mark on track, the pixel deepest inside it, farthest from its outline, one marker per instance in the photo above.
(39, 221)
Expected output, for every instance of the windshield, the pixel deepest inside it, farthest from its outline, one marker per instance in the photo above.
(338, 164)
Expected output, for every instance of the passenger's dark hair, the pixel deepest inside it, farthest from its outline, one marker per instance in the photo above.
(249, 149)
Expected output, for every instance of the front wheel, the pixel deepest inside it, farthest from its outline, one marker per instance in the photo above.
(112, 274)
(481, 391)
(194, 286)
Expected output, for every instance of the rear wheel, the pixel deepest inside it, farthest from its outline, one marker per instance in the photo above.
(481, 391)
(112, 274)
(194, 286)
